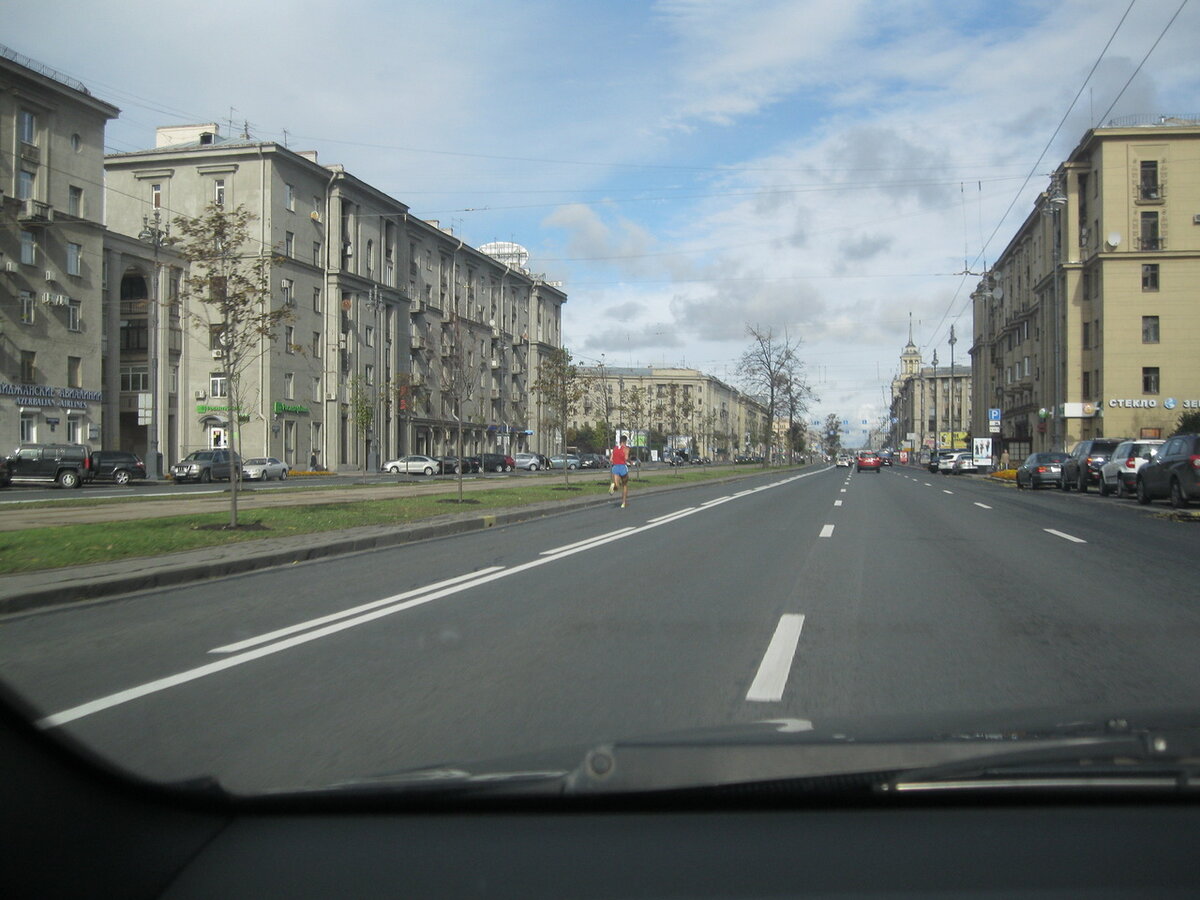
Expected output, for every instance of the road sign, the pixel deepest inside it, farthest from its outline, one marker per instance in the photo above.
(994, 414)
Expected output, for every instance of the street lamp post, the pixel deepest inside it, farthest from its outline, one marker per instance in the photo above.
(156, 235)
(937, 431)
(953, 430)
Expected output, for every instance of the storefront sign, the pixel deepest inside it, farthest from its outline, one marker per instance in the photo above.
(280, 408)
(48, 395)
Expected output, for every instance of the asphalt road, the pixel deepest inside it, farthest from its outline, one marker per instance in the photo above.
(807, 595)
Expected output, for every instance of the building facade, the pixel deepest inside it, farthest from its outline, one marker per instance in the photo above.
(691, 410)
(51, 255)
(1088, 324)
(396, 332)
(931, 406)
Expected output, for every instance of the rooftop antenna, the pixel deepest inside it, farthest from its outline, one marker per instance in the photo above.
(285, 137)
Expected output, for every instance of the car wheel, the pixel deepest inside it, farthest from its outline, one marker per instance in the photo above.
(1178, 501)
(283, 475)
(508, 468)
(429, 470)
(68, 479)
(1104, 488)
(1122, 489)
(1143, 496)
(1082, 483)
(205, 476)
(395, 470)
(1064, 485)
(121, 476)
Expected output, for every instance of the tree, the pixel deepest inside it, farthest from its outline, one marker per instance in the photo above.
(771, 368)
(1189, 423)
(462, 377)
(230, 286)
(562, 387)
(362, 410)
(831, 434)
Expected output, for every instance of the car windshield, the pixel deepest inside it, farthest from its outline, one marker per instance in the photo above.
(544, 358)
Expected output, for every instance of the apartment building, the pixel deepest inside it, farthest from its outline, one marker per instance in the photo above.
(931, 405)
(51, 254)
(687, 408)
(397, 329)
(1088, 324)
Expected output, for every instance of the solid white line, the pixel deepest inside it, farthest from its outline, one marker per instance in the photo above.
(333, 617)
(671, 515)
(982, 505)
(944, 491)
(1062, 534)
(776, 663)
(837, 502)
(718, 500)
(581, 543)
(826, 531)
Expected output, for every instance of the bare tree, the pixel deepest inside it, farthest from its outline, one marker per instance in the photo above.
(772, 369)
(562, 387)
(231, 286)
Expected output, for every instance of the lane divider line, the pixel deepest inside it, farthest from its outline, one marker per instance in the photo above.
(771, 678)
(1065, 536)
(826, 531)
(982, 505)
(590, 540)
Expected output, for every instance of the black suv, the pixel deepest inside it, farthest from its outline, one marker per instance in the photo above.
(120, 466)
(1082, 467)
(1174, 472)
(67, 465)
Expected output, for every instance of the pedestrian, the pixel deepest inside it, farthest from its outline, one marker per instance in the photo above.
(1004, 459)
(312, 462)
(620, 470)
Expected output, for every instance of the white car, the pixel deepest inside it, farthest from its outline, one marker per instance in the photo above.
(264, 468)
(1119, 475)
(412, 465)
(964, 462)
(947, 459)
(844, 459)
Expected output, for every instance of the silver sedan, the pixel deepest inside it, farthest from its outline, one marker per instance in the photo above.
(264, 468)
(414, 465)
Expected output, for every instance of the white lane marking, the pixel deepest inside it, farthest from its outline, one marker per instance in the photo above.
(1063, 534)
(590, 540)
(426, 595)
(826, 531)
(927, 484)
(944, 491)
(671, 515)
(715, 502)
(842, 491)
(837, 502)
(345, 613)
(776, 664)
(982, 505)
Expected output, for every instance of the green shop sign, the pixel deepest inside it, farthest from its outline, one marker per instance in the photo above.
(280, 408)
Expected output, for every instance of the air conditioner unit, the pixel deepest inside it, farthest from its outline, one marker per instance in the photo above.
(61, 300)
(332, 395)
(10, 266)
(218, 353)
(1196, 219)
(49, 275)
(46, 297)
(201, 395)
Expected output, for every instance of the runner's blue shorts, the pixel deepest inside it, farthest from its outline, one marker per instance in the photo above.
(620, 469)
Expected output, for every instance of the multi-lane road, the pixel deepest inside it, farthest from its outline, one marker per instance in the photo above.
(806, 595)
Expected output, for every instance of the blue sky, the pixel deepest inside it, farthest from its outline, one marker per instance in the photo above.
(685, 167)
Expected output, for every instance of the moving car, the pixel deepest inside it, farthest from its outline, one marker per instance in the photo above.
(1082, 467)
(1040, 469)
(207, 465)
(67, 465)
(1173, 473)
(264, 468)
(869, 460)
(119, 466)
(415, 464)
(1119, 474)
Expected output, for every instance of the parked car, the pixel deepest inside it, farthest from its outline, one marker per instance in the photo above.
(415, 464)
(207, 465)
(564, 462)
(1039, 469)
(868, 460)
(529, 461)
(67, 465)
(964, 462)
(118, 466)
(1119, 474)
(946, 460)
(1174, 472)
(497, 462)
(5, 477)
(264, 468)
(592, 461)
(1082, 467)
(936, 459)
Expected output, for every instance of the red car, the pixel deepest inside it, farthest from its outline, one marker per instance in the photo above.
(868, 459)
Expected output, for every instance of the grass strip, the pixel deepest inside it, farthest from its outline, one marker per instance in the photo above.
(54, 547)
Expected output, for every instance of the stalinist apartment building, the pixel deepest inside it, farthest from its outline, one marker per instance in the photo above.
(398, 329)
(1088, 325)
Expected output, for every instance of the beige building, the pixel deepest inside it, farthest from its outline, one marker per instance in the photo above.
(931, 405)
(686, 408)
(398, 329)
(51, 255)
(1088, 325)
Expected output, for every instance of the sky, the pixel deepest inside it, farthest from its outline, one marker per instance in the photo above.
(686, 168)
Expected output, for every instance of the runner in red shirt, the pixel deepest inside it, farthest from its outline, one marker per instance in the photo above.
(620, 470)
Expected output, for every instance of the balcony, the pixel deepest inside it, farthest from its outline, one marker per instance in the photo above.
(1151, 193)
(1151, 243)
(35, 214)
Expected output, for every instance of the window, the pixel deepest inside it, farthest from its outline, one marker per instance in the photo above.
(156, 196)
(369, 336)
(28, 248)
(74, 259)
(74, 429)
(1148, 186)
(316, 345)
(28, 308)
(316, 299)
(289, 197)
(74, 371)
(25, 185)
(289, 386)
(287, 288)
(135, 378)
(1149, 232)
(370, 255)
(1150, 277)
(316, 388)
(217, 385)
(134, 334)
(1087, 335)
(73, 316)
(316, 257)
(27, 127)
(28, 428)
(369, 374)
(1149, 329)
(289, 339)
(75, 201)
(219, 191)
(1087, 385)
(289, 245)
(1150, 379)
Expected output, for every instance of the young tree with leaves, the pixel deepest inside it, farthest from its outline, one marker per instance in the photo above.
(562, 388)
(228, 287)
